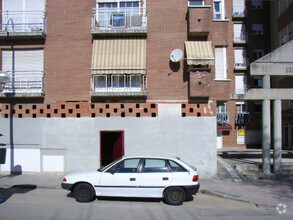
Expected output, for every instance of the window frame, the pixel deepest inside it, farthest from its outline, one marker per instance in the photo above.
(199, 5)
(257, 29)
(256, 4)
(222, 11)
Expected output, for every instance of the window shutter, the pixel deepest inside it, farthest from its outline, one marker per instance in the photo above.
(25, 60)
(220, 63)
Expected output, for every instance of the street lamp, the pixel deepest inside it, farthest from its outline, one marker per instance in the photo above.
(4, 78)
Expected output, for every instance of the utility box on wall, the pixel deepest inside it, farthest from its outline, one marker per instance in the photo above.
(2, 155)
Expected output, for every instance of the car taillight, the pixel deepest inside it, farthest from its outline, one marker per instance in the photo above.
(195, 178)
(64, 179)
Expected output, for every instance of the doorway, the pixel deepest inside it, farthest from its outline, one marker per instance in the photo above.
(112, 146)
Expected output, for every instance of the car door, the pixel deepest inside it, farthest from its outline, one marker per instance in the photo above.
(120, 179)
(155, 175)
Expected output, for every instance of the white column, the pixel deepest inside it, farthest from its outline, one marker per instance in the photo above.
(277, 136)
(266, 136)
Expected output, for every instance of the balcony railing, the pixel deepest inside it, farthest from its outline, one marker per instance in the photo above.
(119, 85)
(240, 38)
(119, 20)
(239, 11)
(222, 118)
(25, 83)
(241, 64)
(23, 23)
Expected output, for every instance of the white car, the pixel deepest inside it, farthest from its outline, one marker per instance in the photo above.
(149, 177)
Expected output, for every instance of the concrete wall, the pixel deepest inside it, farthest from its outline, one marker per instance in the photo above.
(72, 144)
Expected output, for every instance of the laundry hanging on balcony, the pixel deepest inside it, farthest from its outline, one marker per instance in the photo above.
(119, 56)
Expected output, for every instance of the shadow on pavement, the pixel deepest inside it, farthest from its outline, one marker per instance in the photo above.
(6, 193)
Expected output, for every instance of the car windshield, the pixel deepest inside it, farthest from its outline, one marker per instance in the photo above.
(102, 169)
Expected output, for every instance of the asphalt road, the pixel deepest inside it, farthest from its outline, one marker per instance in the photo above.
(58, 204)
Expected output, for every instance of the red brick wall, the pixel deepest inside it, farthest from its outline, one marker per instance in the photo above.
(68, 50)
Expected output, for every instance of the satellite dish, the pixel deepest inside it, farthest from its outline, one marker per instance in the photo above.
(176, 55)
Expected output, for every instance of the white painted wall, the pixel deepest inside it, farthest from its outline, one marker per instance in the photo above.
(73, 144)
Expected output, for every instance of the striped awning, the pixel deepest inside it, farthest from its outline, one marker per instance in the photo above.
(199, 53)
(119, 56)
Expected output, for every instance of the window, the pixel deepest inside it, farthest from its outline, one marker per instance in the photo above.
(176, 167)
(256, 4)
(125, 166)
(195, 2)
(129, 4)
(118, 82)
(241, 107)
(257, 29)
(220, 63)
(155, 165)
(221, 107)
(108, 5)
(257, 81)
(257, 54)
(241, 61)
(240, 84)
(219, 10)
(257, 107)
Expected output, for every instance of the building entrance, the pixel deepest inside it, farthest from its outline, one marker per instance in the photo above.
(112, 146)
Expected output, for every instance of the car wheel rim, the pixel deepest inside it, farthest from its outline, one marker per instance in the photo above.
(83, 193)
(175, 196)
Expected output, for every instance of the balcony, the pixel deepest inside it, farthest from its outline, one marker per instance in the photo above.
(199, 20)
(242, 118)
(241, 64)
(240, 38)
(119, 85)
(23, 24)
(222, 118)
(25, 84)
(239, 12)
(119, 21)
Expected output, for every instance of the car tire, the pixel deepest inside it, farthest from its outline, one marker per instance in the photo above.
(84, 192)
(174, 195)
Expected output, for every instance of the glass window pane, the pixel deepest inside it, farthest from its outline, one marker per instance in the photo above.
(195, 2)
(100, 81)
(176, 167)
(155, 165)
(118, 20)
(135, 81)
(217, 7)
(118, 81)
(126, 166)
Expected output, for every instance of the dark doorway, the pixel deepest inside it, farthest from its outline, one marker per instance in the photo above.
(112, 146)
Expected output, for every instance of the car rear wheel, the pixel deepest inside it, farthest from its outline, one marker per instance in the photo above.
(174, 196)
(84, 192)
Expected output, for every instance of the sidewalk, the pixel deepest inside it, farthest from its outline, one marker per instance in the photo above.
(262, 193)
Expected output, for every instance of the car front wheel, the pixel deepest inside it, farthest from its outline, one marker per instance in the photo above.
(84, 192)
(174, 196)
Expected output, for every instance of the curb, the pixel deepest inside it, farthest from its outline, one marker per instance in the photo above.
(225, 196)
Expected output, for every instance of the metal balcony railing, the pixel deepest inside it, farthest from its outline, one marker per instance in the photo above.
(240, 38)
(23, 21)
(119, 83)
(119, 18)
(241, 64)
(25, 82)
(222, 118)
(239, 12)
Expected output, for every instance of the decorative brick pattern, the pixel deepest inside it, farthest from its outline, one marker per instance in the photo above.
(198, 110)
(78, 110)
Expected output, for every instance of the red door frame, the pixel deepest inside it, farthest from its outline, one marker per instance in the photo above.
(122, 142)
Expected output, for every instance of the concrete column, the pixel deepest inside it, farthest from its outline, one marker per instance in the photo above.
(266, 136)
(277, 136)
(266, 81)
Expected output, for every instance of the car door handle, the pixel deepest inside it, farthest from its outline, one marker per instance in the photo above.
(132, 179)
(165, 178)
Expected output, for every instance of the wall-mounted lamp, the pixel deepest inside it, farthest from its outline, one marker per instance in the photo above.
(4, 79)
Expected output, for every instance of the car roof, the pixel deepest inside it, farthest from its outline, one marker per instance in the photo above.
(152, 157)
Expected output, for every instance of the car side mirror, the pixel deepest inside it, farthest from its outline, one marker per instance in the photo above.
(112, 171)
